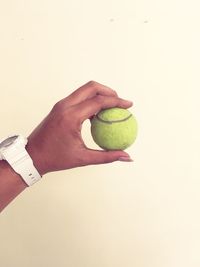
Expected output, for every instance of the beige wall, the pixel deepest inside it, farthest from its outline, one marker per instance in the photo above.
(141, 214)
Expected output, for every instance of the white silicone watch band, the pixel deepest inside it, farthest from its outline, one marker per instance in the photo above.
(22, 163)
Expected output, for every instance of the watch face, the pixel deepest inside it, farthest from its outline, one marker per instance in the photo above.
(8, 141)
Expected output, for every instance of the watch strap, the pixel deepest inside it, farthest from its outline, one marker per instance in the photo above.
(22, 164)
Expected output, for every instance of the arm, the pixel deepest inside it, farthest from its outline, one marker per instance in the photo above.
(11, 183)
(56, 143)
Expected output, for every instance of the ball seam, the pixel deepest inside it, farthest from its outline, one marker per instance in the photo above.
(110, 122)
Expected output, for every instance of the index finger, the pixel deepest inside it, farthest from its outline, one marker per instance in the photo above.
(87, 91)
(92, 106)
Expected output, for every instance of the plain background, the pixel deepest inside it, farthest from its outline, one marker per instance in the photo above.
(141, 214)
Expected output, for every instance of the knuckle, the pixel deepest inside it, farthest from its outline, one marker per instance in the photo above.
(99, 100)
(58, 106)
(114, 92)
(92, 83)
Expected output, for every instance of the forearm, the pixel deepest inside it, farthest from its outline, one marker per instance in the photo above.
(11, 184)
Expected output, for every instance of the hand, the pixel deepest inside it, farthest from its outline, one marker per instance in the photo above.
(56, 143)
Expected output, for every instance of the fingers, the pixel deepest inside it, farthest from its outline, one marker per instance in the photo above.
(87, 91)
(92, 106)
(101, 156)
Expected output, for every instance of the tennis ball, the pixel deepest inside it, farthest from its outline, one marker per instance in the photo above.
(114, 129)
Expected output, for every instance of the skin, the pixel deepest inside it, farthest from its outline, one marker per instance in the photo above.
(56, 143)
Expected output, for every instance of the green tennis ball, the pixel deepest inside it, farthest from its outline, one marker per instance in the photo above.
(114, 129)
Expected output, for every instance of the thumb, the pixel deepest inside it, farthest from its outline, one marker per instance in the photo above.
(102, 156)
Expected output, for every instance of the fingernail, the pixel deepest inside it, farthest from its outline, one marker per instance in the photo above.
(127, 159)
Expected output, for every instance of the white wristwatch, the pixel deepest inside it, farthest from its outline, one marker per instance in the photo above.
(12, 149)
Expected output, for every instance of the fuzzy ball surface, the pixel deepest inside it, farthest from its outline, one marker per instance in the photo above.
(114, 129)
